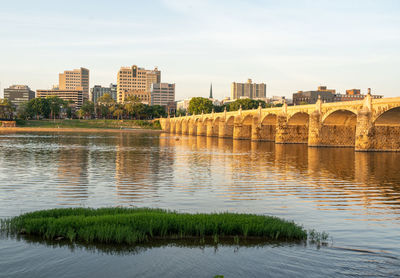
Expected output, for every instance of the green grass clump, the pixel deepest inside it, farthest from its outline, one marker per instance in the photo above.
(139, 225)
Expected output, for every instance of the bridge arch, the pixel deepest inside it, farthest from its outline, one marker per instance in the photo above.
(210, 131)
(242, 127)
(201, 127)
(225, 128)
(268, 128)
(388, 117)
(297, 127)
(387, 130)
(339, 128)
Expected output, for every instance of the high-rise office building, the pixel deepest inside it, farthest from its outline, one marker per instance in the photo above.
(77, 79)
(248, 90)
(135, 81)
(99, 91)
(18, 94)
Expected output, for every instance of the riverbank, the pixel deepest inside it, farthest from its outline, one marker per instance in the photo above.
(76, 125)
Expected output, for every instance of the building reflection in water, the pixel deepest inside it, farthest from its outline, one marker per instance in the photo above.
(330, 178)
(140, 165)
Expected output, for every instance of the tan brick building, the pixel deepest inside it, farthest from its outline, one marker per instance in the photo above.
(74, 95)
(77, 79)
(137, 82)
(248, 90)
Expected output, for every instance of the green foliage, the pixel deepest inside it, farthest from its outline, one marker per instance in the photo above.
(55, 104)
(197, 105)
(246, 104)
(157, 124)
(137, 225)
(39, 107)
(219, 108)
(6, 109)
(180, 112)
(88, 109)
(106, 99)
(158, 111)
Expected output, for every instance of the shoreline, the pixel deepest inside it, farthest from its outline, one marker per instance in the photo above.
(74, 129)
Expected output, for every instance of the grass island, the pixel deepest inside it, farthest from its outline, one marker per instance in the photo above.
(140, 225)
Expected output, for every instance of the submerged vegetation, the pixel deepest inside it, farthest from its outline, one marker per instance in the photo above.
(140, 225)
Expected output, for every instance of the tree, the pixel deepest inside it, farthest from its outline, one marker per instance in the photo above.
(6, 109)
(219, 108)
(88, 109)
(197, 105)
(106, 99)
(80, 113)
(180, 112)
(23, 111)
(55, 104)
(104, 105)
(130, 105)
(246, 104)
(118, 112)
(157, 111)
(39, 107)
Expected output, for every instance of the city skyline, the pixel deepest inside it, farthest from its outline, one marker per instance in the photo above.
(290, 46)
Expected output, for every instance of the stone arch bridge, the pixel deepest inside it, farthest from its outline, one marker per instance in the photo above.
(366, 125)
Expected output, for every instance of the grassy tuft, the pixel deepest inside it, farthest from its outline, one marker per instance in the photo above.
(139, 225)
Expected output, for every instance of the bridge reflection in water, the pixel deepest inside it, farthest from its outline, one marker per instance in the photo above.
(333, 178)
(366, 125)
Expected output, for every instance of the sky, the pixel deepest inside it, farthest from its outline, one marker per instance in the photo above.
(289, 45)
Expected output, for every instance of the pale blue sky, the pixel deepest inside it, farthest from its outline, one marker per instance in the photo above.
(290, 45)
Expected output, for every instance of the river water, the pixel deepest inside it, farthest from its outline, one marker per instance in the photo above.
(355, 197)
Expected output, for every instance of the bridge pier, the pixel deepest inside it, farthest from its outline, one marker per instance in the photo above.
(281, 133)
(201, 129)
(256, 131)
(185, 129)
(192, 129)
(178, 128)
(212, 131)
(365, 131)
(314, 130)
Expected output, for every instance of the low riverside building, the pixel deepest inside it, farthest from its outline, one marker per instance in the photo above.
(311, 97)
(99, 91)
(353, 94)
(183, 104)
(18, 94)
(248, 90)
(76, 96)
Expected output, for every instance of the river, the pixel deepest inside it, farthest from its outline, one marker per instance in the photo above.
(354, 197)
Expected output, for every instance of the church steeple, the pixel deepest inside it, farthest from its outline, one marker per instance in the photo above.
(211, 96)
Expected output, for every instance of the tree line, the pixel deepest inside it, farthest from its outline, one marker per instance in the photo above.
(198, 105)
(105, 107)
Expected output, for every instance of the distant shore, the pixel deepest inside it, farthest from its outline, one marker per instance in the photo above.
(75, 125)
(75, 129)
